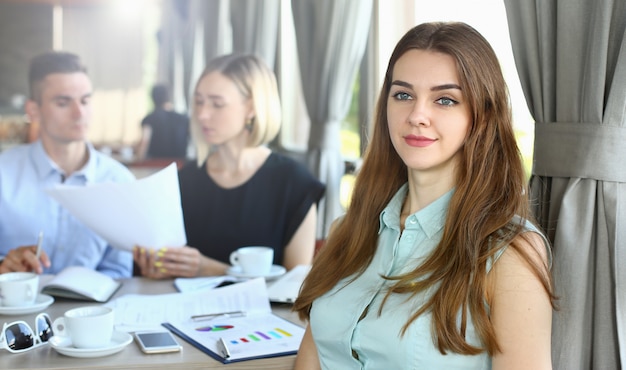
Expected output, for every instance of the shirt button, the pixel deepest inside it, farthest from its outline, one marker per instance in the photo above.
(412, 220)
(410, 238)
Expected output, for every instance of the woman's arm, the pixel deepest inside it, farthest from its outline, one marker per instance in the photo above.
(520, 308)
(307, 358)
(301, 247)
(189, 262)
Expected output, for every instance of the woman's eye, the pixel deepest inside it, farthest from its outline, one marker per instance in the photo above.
(446, 101)
(402, 96)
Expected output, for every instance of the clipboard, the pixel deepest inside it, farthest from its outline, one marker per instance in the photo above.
(247, 338)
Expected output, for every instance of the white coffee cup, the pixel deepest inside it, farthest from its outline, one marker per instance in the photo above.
(18, 288)
(87, 327)
(253, 261)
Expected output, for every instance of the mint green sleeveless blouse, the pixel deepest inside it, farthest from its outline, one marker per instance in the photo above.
(375, 342)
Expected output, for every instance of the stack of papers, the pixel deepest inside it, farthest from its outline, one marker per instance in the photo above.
(141, 312)
(257, 333)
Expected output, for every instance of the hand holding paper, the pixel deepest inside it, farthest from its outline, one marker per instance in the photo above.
(144, 212)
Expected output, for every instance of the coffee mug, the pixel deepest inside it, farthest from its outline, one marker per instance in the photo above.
(18, 289)
(254, 261)
(87, 327)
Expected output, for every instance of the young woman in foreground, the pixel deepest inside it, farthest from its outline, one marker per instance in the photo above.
(436, 264)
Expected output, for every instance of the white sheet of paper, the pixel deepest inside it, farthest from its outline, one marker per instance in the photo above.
(144, 212)
(146, 312)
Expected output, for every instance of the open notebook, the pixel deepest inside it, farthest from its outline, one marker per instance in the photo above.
(286, 288)
(81, 283)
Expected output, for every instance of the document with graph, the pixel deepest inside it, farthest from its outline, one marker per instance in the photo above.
(238, 334)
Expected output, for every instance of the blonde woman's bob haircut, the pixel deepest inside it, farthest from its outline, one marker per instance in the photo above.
(256, 82)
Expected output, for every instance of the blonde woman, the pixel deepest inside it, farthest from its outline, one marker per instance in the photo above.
(239, 192)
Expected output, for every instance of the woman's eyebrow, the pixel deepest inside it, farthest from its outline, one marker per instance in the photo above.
(445, 87)
(402, 83)
(434, 88)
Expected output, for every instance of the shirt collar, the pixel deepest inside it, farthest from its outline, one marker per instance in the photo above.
(431, 218)
(45, 166)
(390, 216)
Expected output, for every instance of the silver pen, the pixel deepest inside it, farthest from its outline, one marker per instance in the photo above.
(223, 348)
(211, 316)
(39, 242)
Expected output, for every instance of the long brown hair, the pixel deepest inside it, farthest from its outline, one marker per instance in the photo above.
(490, 190)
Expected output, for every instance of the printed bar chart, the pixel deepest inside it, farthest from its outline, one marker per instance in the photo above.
(259, 336)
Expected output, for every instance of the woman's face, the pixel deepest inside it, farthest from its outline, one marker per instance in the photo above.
(220, 109)
(427, 112)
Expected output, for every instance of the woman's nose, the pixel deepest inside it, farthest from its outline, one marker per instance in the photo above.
(202, 112)
(419, 115)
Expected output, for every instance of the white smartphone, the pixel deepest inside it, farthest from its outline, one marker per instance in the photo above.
(157, 341)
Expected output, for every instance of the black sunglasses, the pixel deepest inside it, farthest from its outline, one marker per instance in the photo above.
(18, 336)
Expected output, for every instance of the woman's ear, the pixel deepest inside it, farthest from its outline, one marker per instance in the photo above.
(250, 113)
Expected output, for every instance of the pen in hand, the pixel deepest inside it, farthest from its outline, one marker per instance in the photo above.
(39, 242)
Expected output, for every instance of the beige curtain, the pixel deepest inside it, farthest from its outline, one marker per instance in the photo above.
(571, 59)
(114, 59)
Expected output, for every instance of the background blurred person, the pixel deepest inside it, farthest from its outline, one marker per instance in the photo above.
(239, 193)
(164, 132)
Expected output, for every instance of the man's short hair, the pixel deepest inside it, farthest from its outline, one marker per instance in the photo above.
(160, 95)
(49, 63)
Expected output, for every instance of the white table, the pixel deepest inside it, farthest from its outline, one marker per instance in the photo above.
(131, 357)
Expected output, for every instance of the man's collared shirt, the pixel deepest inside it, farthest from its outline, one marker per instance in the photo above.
(26, 209)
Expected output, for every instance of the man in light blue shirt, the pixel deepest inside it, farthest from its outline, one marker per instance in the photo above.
(60, 102)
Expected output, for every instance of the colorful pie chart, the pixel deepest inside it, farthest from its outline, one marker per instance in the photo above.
(214, 328)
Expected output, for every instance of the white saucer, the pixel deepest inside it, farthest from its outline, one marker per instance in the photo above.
(42, 301)
(275, 272)
(63, 345)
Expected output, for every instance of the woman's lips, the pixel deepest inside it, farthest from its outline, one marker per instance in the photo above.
(418, 141)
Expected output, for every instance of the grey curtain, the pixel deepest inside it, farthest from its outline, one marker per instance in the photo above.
(196, 31)
(367, 91)
(175, 38)
(192, 32)
(331, 37)
(255, 27)
(571, 58)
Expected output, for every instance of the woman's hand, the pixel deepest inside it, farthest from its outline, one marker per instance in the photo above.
(168, 262)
